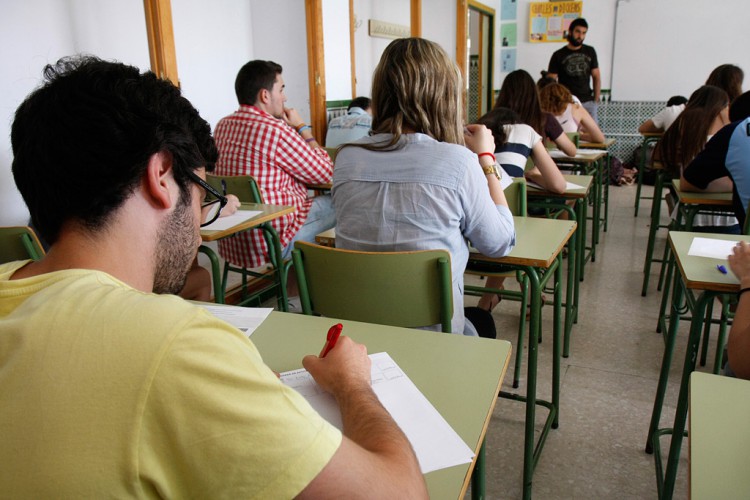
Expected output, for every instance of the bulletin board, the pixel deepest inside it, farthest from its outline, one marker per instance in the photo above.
(549, 21)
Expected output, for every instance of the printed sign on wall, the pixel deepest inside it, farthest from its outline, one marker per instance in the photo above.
(549, 21)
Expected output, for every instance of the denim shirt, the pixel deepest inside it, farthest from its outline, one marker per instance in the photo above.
(425, 195)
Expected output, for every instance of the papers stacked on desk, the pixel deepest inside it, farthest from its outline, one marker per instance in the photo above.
(435, 443)
(236, 218)
(711, 247)
(245, 319)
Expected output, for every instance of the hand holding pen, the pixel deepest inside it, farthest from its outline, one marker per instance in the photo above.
(342, 364)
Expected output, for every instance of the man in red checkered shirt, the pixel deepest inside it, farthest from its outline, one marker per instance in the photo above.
(272, 143)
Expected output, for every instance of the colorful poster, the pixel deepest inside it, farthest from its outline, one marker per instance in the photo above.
(549, 21)
(508, 35)
(507, 60)
(508, 10)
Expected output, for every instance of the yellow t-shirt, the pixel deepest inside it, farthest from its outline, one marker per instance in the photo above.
(106, 391)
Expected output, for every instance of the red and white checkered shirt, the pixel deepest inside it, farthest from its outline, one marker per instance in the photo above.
(252, 142)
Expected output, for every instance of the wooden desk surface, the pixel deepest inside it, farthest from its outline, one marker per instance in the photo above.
(582, 180)
(698, 198)
(700, 273)
(608, 141)
(719, 437)
(538, 241)
(459, 375)
(268, 213)
(580, 157)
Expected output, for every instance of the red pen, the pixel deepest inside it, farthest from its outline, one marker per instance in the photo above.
(333, 336)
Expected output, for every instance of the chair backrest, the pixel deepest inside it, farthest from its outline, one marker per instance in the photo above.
(244, 187)
(407, 289)
(516, 196)
(19, 243)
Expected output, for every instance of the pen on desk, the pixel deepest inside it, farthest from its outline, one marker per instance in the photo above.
(722, 269)
(224, 187)
(333, 336)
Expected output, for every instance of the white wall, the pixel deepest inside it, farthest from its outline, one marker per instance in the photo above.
(336, 47)
(37, 32)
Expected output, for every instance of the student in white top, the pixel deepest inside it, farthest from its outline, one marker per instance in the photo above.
(664, 118)
(558, 100)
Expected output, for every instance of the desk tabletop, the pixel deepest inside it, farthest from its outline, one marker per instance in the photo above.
(582, 156)
(538, 242)
(267, 213)
(608, 141)
(719, 437)
(459, 375)
(696, 198)
(700, 273)
(584, 181)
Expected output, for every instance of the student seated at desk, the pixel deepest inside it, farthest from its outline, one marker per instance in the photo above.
(664, 118)
(111, 387)
(558, 100)
(724, 164)
(412, 185)
(350, 127)
(514, 143)
(706, 112)
(738, 344)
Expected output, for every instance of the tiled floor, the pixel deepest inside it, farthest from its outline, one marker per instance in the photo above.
(608, 382)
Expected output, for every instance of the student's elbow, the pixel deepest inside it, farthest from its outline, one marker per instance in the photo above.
(558, 187)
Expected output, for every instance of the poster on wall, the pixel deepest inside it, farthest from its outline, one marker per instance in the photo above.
(508, 10)
(549, 21)
(508, 35)
(507, 60)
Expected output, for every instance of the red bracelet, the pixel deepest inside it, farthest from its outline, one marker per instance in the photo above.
(488, 154)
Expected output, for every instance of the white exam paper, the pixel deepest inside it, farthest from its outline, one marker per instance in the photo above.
(435, 443)
(710, 247)
(245, 319)
(238, 217)
(569, 186)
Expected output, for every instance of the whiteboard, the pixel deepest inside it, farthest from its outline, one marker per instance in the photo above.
(668, 47)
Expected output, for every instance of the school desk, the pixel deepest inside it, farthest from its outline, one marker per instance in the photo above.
(648, 139)
(260, 221)
(459, 375)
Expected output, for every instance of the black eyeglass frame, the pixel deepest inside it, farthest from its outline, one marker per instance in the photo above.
(210, 190)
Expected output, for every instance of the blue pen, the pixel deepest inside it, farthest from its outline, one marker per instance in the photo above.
(722, 269)
(224, 187)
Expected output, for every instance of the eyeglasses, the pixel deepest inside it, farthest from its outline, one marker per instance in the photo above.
(213, 202)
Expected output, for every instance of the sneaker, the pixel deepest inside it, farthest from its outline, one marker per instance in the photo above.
(294, 305)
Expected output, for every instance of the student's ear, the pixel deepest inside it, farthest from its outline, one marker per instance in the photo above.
(263, 96)
(159, 185)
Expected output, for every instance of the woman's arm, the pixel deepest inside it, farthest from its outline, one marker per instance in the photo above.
(590, 131)
(648, 127)
(565, 145)
(545, 172)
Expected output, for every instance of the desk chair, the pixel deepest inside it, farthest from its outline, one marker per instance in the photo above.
(406, 289)
(575, 138)
(516, 196)
(246, 189)
(332, 152)
(19, 243)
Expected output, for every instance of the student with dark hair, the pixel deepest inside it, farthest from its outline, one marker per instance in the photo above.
(666, 117)
(724, 164)
(727, 77)
(350, 127)
(520, 94)
(114, 391)
(576, 66)
(515, 142)
(265, 139)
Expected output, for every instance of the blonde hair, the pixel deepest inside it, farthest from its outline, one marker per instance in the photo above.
(416, 87)
(554, 98)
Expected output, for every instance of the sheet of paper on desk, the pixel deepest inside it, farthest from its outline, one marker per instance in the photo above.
(582, 151)
(434, 441)
(710, 247)
(232, 220)
(569, 186)
(245, 319)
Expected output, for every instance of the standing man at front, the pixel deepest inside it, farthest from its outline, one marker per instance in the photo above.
(272, 143)
(576, 65)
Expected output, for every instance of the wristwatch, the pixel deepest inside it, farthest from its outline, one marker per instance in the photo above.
(493, 169)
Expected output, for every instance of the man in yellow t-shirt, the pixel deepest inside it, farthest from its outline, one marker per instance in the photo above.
(112, 387)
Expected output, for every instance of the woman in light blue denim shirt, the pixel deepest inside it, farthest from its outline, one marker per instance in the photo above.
(422, 180)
